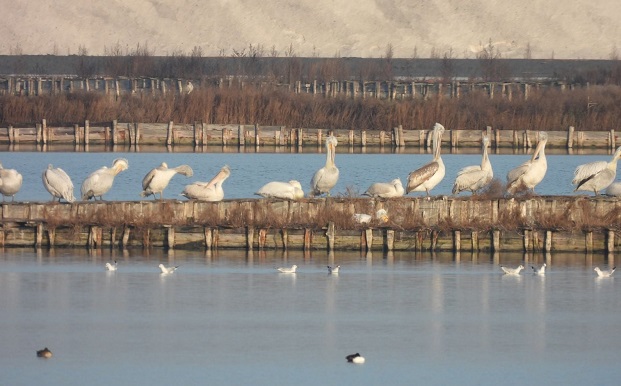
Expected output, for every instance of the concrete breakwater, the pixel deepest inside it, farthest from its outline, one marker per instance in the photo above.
(540, 223)
(242, 136)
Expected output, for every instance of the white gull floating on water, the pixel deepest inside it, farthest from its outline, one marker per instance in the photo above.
(512, 271)
(606, 273)
(111, 267)
(167, 270)
(541, 270)
(334, 269)
(291, 269)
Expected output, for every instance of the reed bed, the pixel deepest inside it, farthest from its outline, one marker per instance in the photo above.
(592, 108)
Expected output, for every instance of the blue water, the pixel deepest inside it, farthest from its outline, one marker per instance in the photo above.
(250, 171)
(229, 318)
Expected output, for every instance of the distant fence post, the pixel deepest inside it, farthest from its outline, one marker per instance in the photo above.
(570, 137)
(169, 134)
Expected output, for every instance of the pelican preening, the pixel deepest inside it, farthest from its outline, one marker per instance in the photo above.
(208, 191)
(531, 172)
(512, 271)
(10, 182)
(428, 176)
(606, 273)
(476, 177)
(58, 183)
(167, 270)
(596, 176)
(291, 269)
(362, 218)
(291, 190)
(390, 189)
(326, 177)
(157, 179)
(100, 181)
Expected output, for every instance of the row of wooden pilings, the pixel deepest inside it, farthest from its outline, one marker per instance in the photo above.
(39, 85)
(550, 224)
(200, 134)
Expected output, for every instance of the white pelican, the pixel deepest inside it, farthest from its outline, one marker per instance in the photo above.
(326, 177)
(541, 270)
(531, 172)
(166, 270)
(613, 189)
(428, 176)
(157, 179)
(363, 218)
(476, 177)
(334, 270)
(208, 191)
(10, 182)
(58, 183)
(512, 271)
(100, 181)
(291, 269)
(111, 267)
(390, 189)
(607, 273)
(291, 190)
(596, 176)
(355, 358)
(45, 353)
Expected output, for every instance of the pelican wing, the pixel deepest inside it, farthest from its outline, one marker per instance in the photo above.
(585, 172)
(91, 184)
(419, 176)
(516, 173)
(469, 169)
(58, 183)
(146, 181)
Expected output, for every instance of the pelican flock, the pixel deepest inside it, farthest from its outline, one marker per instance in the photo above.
(100, 181)
(58, 183)
(530, 173)
(157, 179)
(326, 177)
(208, 191)
(291, 190)
(596, 176)
(428, 176)
(476, 177)
(10, 182)
(390, 189)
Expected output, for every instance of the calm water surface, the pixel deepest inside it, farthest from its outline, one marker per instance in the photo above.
(250, 171)
(230, 318)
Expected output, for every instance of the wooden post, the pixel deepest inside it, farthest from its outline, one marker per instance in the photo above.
(241, 133)
(39, 235)
(330, 234)
(474, 236)
(299, 137)
(363, 138)
(308, 239)
(570, 137)
(285, 238)
(456, 241)
(401, 136)
(610, 241)
(169, 134)
(319, 138)
(11, 134)
(262, 238)
(351, 138)
(548, 241)
(87, 129)
(382, 138)
(257, 136)
(197, 133)
(395, 137)
(390, 239)
(224, 137)
(526, 238)
(208, 238)
(249, 238)
(39, 133)
(496, 241)
(588, 240)
(114, 132)
(613, 141)
(368, 236)
(136, 134)
(125, 240)
(170, 237)
(44, 130)
(76, 135)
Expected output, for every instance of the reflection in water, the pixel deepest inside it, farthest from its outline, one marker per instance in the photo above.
(413, 315)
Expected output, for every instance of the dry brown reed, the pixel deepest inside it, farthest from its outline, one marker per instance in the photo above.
(595, 108)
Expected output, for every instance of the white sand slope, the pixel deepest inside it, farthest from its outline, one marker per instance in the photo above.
(563, 29)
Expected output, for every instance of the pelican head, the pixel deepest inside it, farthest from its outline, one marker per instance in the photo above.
(382, 215)
(119, 165)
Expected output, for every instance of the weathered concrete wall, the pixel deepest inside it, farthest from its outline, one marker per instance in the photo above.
(464, 224)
